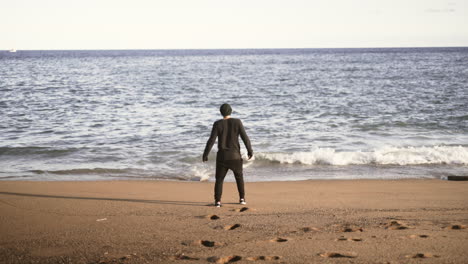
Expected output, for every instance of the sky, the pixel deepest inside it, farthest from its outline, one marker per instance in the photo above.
(221, 24)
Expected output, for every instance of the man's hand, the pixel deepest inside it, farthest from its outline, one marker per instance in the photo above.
(205, 159)
(250, 155)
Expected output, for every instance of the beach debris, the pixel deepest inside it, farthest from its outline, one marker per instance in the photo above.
(232, 227)
(223, 260)
(423, 255)
(338, 255)
(267, 258)
(102, 219)
(395, 225)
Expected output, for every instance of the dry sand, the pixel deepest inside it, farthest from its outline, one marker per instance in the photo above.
(357, 221)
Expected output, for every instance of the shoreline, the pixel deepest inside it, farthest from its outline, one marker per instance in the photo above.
(230, 179)
(311, 221)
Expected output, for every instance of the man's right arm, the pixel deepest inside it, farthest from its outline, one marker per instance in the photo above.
(210, 143)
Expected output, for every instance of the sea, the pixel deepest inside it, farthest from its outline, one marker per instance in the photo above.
(361, 113)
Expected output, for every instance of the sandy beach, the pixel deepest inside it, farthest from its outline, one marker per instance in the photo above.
(356, 221)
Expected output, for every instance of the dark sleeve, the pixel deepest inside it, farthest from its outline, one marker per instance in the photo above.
(210, 142)
(245, 138)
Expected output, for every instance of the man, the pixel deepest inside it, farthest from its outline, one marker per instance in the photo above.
(228, 157)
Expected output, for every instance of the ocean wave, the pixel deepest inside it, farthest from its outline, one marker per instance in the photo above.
(454, 155)
(21, 151)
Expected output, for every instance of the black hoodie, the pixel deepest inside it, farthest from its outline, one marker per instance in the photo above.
(227, 131)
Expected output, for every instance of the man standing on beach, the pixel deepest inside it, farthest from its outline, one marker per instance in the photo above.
(228, 157)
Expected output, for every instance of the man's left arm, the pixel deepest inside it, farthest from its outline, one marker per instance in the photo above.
(246, 140)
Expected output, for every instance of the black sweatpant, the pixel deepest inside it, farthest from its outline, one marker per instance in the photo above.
(222, 168)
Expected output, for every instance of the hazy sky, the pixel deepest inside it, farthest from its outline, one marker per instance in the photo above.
(175, 24)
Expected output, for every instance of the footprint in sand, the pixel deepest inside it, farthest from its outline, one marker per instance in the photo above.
(119, 260)
(210, 217)
(456, 227)
(182, 257)
(223, 260)
(338, 255)
(232, 227)
(353, 239)
(205, 243)
(422, 255)
(213, 217)
(243, 209)
(347, 228)
(279, 240)
(309, 229)
(352, 229)
(395, 225)
(267, 258)
(418, 236)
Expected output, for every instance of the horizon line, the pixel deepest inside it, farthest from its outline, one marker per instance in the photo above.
(116, 49)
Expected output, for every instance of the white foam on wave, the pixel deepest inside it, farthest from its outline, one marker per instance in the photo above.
(456, 155)
(205, 171)
(201, 173)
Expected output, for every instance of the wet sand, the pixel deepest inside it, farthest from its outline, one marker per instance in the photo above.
(357, 221)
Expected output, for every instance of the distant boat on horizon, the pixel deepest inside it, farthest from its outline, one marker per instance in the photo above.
(12, 50)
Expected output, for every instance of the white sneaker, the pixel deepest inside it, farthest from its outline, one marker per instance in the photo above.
(242, 201)
(218, 204)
